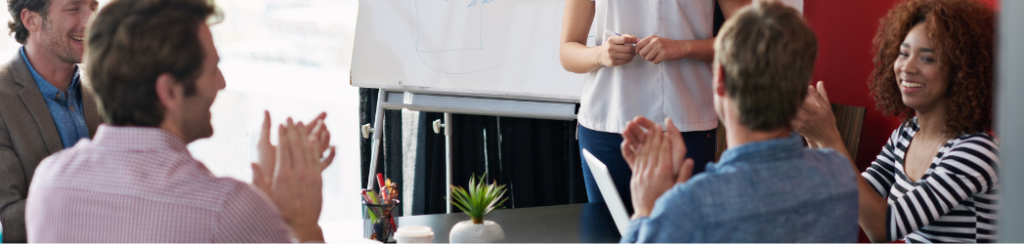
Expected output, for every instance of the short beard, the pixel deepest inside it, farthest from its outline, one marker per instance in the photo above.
(52, 44)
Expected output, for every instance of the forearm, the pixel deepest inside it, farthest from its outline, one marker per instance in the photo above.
(700, 50)
(873, 207)
(573, 52)
(872, 214)
(578, 58)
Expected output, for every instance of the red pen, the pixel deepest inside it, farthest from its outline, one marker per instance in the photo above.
(380, 181)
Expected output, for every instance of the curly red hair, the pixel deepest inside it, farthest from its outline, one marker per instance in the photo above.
(962, 32)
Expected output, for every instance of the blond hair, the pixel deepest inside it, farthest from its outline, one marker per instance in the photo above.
(767, 53)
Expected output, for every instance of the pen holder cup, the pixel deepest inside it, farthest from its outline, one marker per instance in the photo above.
(382, 220)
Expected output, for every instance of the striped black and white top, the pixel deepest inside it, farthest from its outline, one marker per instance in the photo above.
(955, 200)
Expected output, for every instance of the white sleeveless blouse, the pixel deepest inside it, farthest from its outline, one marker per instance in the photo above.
(681, 89)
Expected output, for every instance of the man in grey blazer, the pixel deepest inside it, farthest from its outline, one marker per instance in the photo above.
(45, 104)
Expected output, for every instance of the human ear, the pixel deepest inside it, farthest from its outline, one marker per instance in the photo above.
(719, 80)
(31, 20)
(169, 91)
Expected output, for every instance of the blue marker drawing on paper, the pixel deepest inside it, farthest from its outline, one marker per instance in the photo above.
(474, 2)
(436, 22)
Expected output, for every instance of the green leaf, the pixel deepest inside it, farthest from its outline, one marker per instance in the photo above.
(479, 199)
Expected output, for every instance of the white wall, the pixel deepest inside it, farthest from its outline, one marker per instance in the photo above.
(1010, 59)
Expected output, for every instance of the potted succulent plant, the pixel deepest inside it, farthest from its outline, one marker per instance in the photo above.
(478, 201)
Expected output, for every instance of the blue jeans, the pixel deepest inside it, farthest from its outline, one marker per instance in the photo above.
(700, 145)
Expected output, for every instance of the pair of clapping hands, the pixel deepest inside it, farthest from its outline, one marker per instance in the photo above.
(289, 173)
(658, 160)
(618, 50)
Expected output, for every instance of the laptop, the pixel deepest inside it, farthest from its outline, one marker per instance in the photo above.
(608, 191)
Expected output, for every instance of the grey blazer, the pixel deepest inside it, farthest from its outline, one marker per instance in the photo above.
(27, 136)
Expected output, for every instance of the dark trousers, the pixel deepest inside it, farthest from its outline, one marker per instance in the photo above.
(700, 145)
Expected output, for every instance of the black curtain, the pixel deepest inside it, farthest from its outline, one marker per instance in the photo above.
(391, 164)
(538, 160)
(429, 193)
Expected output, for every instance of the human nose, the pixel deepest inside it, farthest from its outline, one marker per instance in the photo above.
(221, 82)
(83, 19)
(911, 67)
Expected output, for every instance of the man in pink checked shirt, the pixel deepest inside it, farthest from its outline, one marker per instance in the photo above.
(155, 74)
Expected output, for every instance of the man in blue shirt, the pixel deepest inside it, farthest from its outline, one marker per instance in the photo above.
(45, 104)
(767, 187)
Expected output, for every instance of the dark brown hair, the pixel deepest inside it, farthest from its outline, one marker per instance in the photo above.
(131, 43)
(767, 53)
(15, 6)
(962, 34)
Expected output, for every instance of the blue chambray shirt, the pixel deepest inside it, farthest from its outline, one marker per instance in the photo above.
(66, 109)
(768, 191)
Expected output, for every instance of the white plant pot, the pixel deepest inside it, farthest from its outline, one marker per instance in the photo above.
(467, 232)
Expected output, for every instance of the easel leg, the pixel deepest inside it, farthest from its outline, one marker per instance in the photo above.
(378, 125)
(448, 159)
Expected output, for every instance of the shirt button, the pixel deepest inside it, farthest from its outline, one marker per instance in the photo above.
(58, 95)
(72, 109)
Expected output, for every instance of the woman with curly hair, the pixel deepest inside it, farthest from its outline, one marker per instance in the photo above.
(935, 179)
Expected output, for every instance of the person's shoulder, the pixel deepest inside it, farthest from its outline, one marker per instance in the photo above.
(977, 152)
(7, 69)
(706, 188)
(974, 148)
(835, 166)
(829, 155)
(54, 166)
(984, 140)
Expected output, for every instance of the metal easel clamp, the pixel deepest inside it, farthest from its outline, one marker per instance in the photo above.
(366, 129)
(437, 126)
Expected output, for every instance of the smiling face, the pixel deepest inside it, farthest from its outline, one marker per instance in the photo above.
(64, 27)
(195, 115)
(921, 78)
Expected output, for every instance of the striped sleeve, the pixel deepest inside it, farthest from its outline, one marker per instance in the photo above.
(968, 168)
(249, 217)
(881, 175)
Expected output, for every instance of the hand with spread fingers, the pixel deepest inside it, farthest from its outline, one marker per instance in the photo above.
(815, 120)
(296, 185)
(658, 160)
(292, 180)
(318, 135)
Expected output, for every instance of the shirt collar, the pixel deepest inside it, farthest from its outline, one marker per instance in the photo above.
(49, 91)
(138, 138)
(763, 150)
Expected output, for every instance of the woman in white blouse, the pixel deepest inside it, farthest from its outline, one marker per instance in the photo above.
(647, 58)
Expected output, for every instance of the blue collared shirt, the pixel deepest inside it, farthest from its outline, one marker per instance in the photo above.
(767, 191)
(66, 109)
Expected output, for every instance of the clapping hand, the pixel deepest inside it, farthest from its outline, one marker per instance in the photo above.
(815, 120)
(318, 135)
(657, 159)
(296, 184)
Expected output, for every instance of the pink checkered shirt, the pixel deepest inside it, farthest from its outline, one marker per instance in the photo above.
(140, 184)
